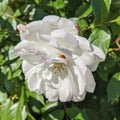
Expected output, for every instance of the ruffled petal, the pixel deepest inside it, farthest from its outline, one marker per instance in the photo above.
(90, 86)
(51, 93)
(88, 79)
(79, 97)
(91, 60)
(30, 51)
(65, 88)
(79, 70)
(46, 74)
(26, 66)
(34, 80)
(35, 52)
(84, 44)
(67, 25)
(61, 23)
(33, 29)
(90, 54)
(64, 39)
(51, 19)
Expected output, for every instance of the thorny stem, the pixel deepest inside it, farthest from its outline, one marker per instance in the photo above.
(7, 31)
(117, 41)
(7, 15)
(98, 25)
(66, 116)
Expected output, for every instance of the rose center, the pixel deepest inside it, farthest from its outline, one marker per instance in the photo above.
(59, 64)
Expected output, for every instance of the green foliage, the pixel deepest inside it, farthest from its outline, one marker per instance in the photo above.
(99, 21)
(101, 37)
(101, 9)
(113, 88)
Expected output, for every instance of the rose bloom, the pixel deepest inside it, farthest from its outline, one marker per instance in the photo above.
(56, 61)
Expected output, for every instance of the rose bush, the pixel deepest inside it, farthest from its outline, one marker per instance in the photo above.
(59, 60)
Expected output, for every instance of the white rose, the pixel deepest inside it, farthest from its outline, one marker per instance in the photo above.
(58, 62)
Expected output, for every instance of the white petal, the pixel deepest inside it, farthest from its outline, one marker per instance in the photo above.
(65, 89)
(46, 38)
(84, 44)
(91, 60)
(90, 54)
(88, 79)
(32, 29)
(98, 52)
(27, 50)
(64, 39)
(79, 97)
(46, 74)
(26, 66)
(67, 25)
(59, 60)
(63, 22)
(80, 73)
(90, 86)
(34, 80)
(32, 51)
(51, 19)
(51, 93)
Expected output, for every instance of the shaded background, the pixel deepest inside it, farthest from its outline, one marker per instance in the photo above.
(99, 21)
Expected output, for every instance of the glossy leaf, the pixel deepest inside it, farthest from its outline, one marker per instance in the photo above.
(56, 115)
(3, 96)
(75, 113)
(113, 88)
(5, 109)
(49, 105)
(83, 11)
(101, 9)
(101, 37)
(3, 6)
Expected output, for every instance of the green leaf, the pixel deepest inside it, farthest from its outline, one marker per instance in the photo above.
(58, 4)
(82, 23)
(102, 73)
(3, 6)
(36, 96)
(101, 9)
(90, 114)
(115, 6)
(49, 105)
(15, 113)
(113, 88)
(30, 116)
(115, 28)
(101, 37)
(56, 115)
(12, 53)
(37, 14)
(75, 113)
(118, 20)
(3, 96)
(21, 10)
(5, 109)
(83, 11)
